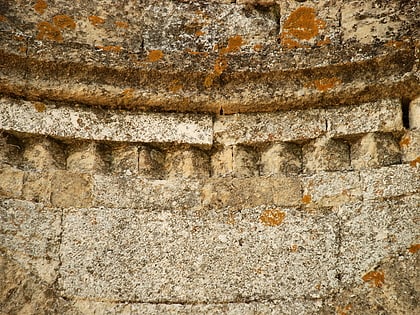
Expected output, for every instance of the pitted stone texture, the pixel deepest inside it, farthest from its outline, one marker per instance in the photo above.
(386, 182)
(410, 147)
(326, 154)
(251, 192)
(375, 150)
(372, 21)
(42, 154)
(331, 188)
(195, 257)
(85, 158)
(37, 187)
(31, 234)
(112, 125)
(125, 159)
(268, 127)
(188, 163)
(70, 189)
(151, 163)
(140, 193)
(380, 116)
(281, 159)
(235, 161)
(414, 114)
(11, 182)
(374, 230)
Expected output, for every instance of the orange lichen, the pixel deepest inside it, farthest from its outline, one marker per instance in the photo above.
(155, 55)
(220, 65)
(110, 48)
(96, 20)
(405, 141)
(414, 248)
(294, 248)
(196, 53)
(395, 44)
(40, 107)
(257, 47)
(272, 217)
(64, 21)
(121, 24)
(3, 18)
(375, 278)
(48, 31)
(326, 41)
(301, 24)
(175, 86)
(414, 162)
(325, 84)
(344, 310)
(40, 6)
(234, 44)
(306, 199)
(199, 33)
(23, 49)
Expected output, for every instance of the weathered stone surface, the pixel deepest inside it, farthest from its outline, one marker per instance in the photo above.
(375, 150)
(251, 192)
(95, 125)
(70, 189)
(85, 158)
(235, 161)
(151, 163)
(157, 256)
(326, 154)
(410, 147)
(372, 231)
(37, 187)
(31, 234)
(11, 182)
(43, 154)
(281, 159)
(125, 159)
(414, 114)
(188, 163)
(331, 188)
(398, 180)
(139, 193)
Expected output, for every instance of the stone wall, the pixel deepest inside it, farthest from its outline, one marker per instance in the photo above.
(209, 157)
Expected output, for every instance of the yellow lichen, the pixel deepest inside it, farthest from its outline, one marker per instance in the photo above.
(121, 24)
(306, 199)
(40, 6)
(155, 55)
(64, 21)
(272, 217)
(375, 278)
(96, 20)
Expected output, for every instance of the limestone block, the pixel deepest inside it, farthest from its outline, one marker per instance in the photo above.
(309, 24)
(31, 233)
(251, 192)
(151, 163)
(281, 159)
(188, 163)
(410, 147)
(85, 158)
(125, 159)
(379, 116)
(11, 182)
(70, 189)
(414, 114)
(326, 154)
(37, 187)
(331, 188)
(141, 193)
(374, 230)
(292, 125)
(42, 154)
(393, 181)
(374, 150)
(197, 257)
(72, 122)
(235, 161)
(370, 21)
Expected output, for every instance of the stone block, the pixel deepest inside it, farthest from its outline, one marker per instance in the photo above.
(326, 154)
(374, 230)
(85, 158)
(70, 189)
(309, 24)
(31, 234)
(375, 150)
(37, 187)
(235, 161)
(72, 122)
(380, 116)
(125, 159)
(251, 192)
(329, 189)
(393, 181)
(43, 154)
(292, 125)
(11, 182)
(151, 163)
(188, 163)
(281, 159)
(197, 257)
(414, 114)
(142, 193)
(410, 147)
